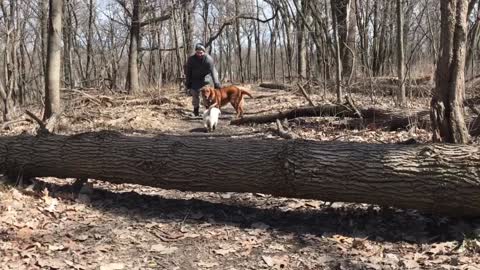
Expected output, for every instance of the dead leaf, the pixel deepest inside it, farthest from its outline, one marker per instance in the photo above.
(295, 204)
(224, 251)
(163, 249)
(168, 236)
(410, 264)
(50, 202)
(56, 247)
(391, 258)
(81, 237)
(441, 248)
(24, 233)
(103, 248)
(278, 262)
(112, 266)
(51, 263)
(207, 264)
(277, 246)
(359, 244)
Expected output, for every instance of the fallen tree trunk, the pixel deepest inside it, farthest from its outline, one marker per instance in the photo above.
(436, 178)
(279, 86)
(312, 111)
(392, 120)
(380, 118)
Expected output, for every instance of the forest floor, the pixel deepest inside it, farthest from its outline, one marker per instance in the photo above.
(108, 226)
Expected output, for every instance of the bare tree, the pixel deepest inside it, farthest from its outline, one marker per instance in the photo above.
(447, 112)
(338, 61)
(91, 20)
(401, 99)
(52, 86)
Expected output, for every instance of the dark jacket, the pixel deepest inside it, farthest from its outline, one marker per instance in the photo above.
(198, 71)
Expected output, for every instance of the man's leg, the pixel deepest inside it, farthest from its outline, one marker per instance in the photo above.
(195, 100)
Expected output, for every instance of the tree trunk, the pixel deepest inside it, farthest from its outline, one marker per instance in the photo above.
(338, 61)
(188, 8)
(447, 111)
(91, 18)
(67, 46)
(133, 85)
(301, 42)
(44, 35)
(258, 46)
(239, 43)
(345, 35)
(401, 98)
(52, 87)
(406, 176)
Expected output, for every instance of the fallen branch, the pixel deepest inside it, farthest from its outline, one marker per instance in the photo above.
(275, 86)
(353, 107)
(307, 97)
(314, 111)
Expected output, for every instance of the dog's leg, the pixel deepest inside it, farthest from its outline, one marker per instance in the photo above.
(240, 108)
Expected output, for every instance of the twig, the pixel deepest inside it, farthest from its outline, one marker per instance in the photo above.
(310, 101)
(6, 124)
(34, 117)
(353, 107)
(90, 97)
(46, 127)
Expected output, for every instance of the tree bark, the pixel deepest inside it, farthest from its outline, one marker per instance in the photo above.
(447, 111)
(133, 85)
(406, 176)
(239, 43)
(91, 18)
(301, 40)
(338, 61)
(401, 97)
(188, 7)
(52, 87)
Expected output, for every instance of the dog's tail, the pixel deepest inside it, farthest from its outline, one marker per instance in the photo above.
(244, 91)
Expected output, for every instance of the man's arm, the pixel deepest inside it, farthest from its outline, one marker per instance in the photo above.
(188, 74)
(214, 73)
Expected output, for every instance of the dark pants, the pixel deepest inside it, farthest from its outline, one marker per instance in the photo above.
(195, 97)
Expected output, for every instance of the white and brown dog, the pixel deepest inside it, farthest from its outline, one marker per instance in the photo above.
(210, 118)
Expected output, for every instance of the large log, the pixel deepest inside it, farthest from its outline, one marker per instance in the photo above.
(435, 178)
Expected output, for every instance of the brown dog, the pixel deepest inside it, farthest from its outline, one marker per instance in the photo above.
(220, 97)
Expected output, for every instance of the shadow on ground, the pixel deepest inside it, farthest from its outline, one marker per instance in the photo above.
(244, 210)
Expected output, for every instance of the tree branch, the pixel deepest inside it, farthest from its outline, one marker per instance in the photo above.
(232, 20)
(160, 49)
(156, 19)
(124, 6)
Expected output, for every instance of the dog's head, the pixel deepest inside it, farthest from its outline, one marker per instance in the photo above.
(208, 95)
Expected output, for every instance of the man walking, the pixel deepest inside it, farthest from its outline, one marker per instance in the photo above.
(198, 71)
